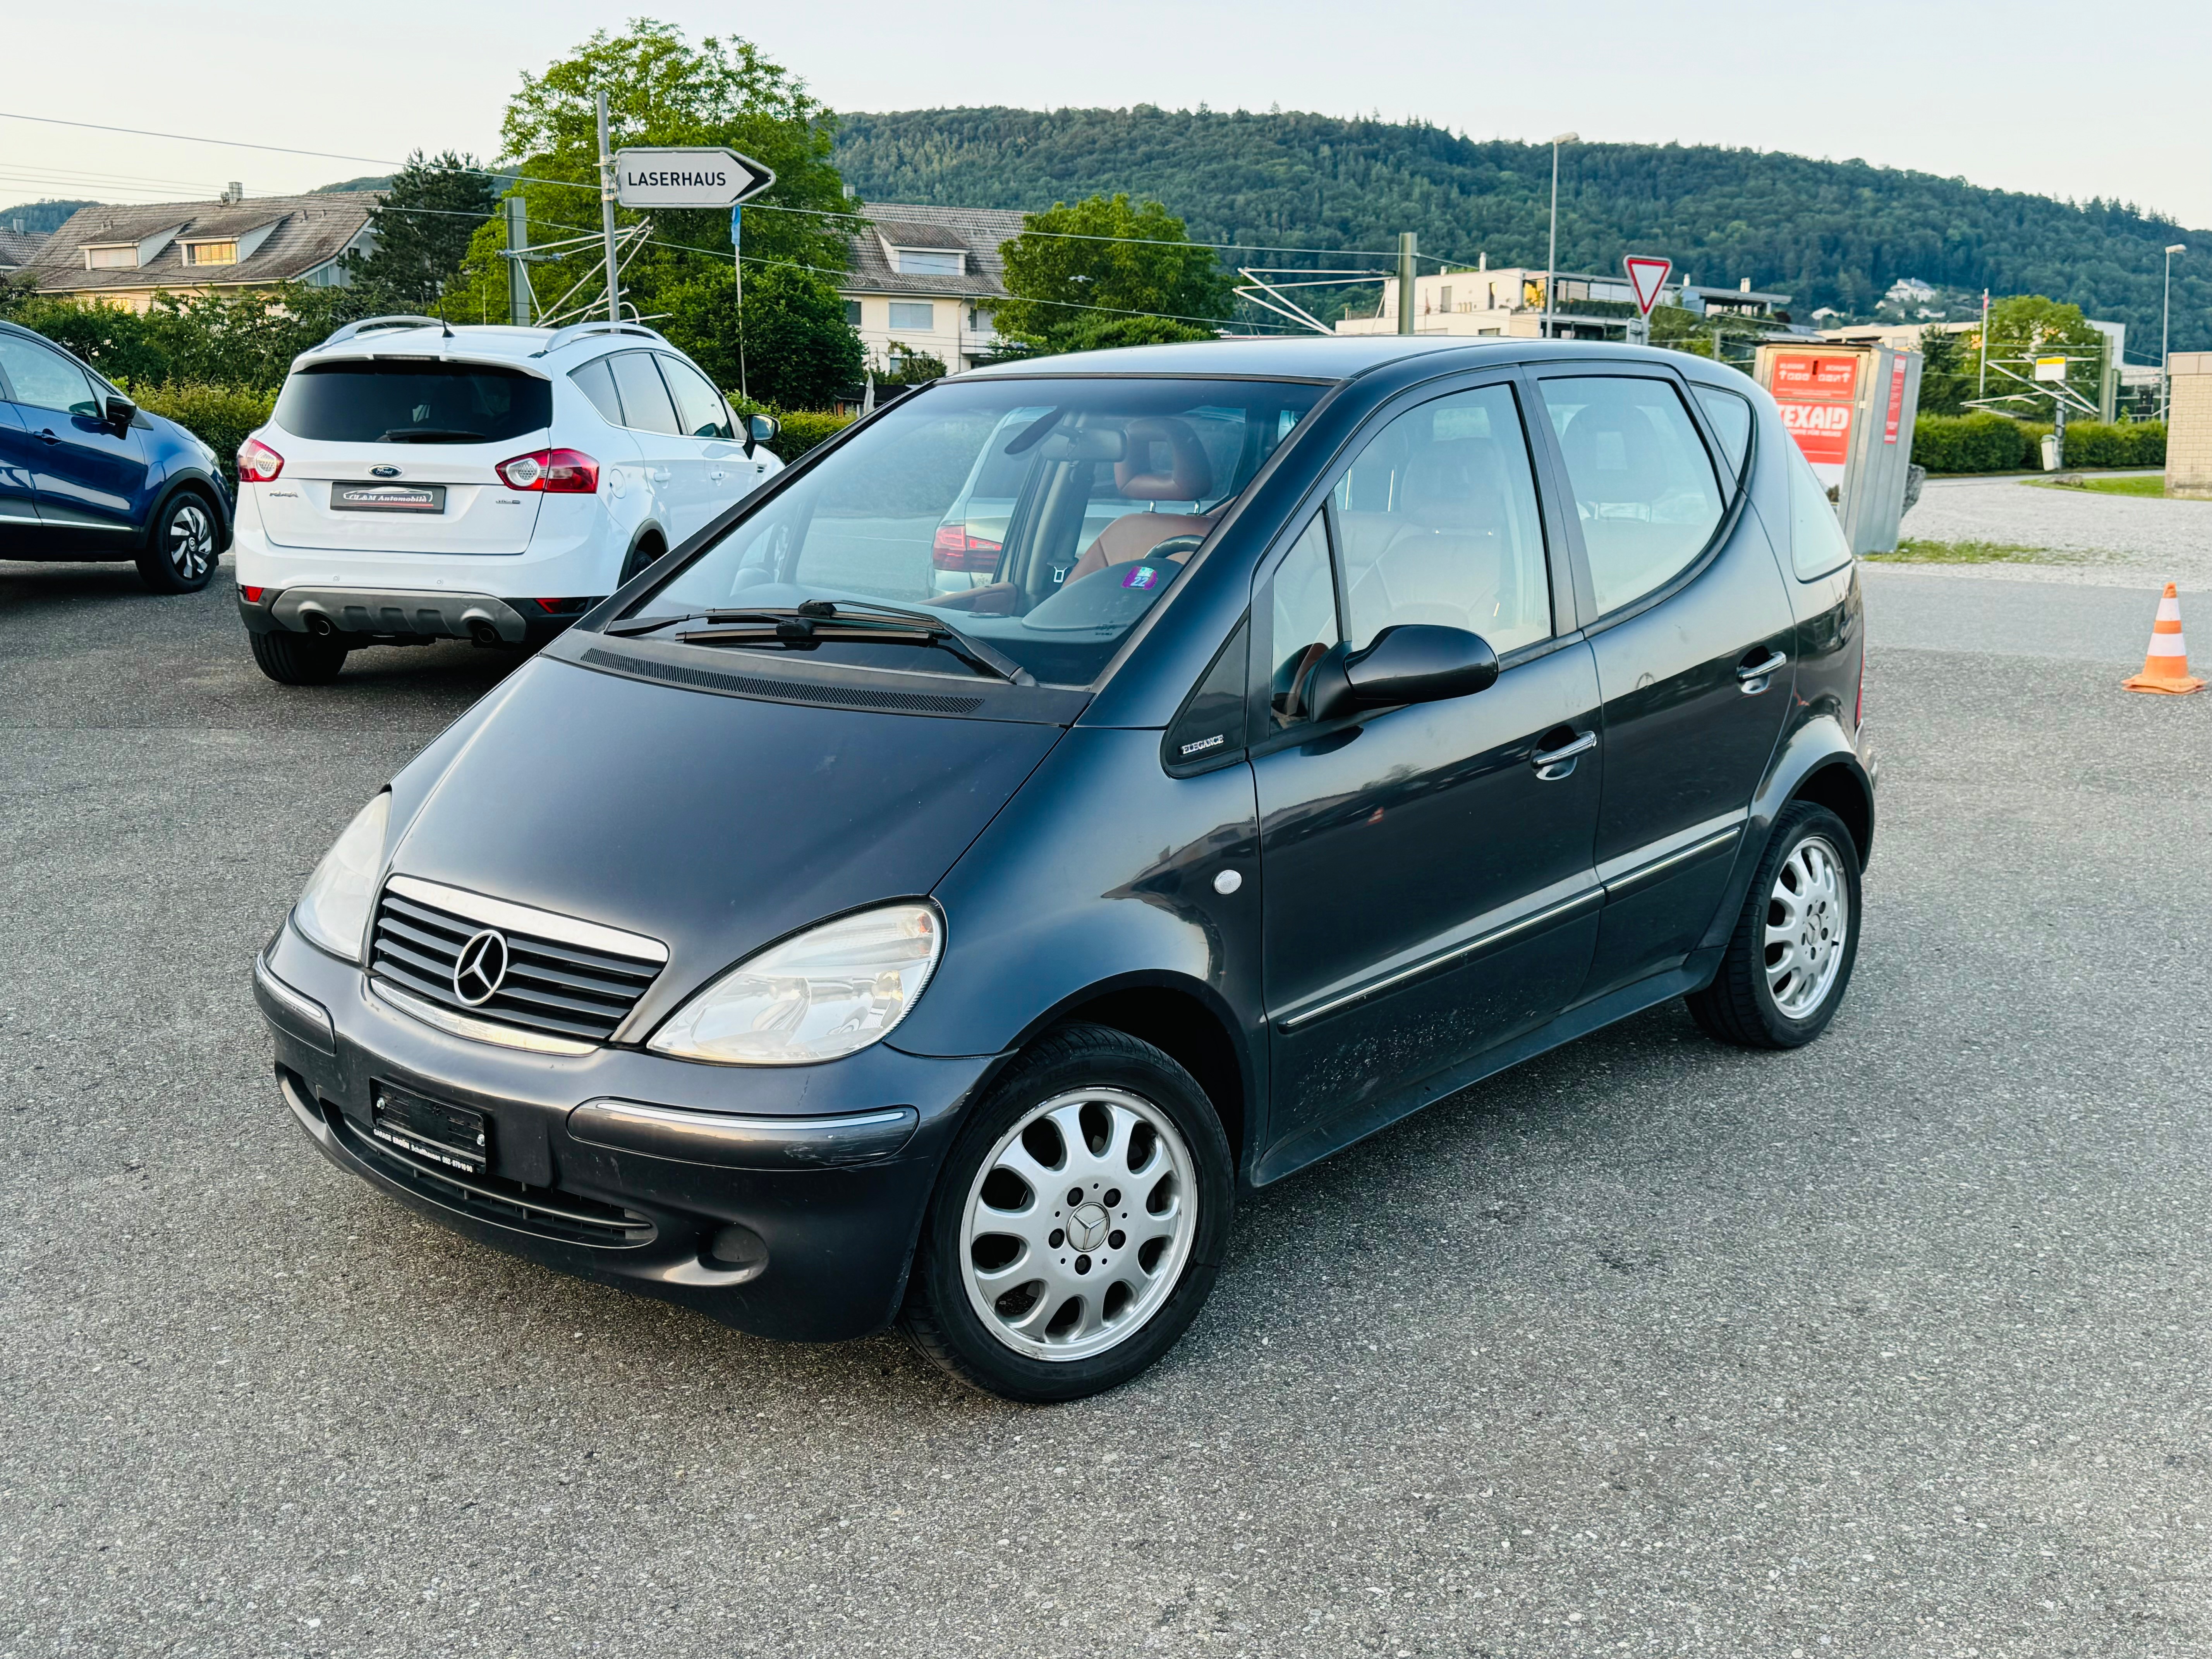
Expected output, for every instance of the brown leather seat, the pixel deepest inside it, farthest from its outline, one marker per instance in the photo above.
(1139, 476)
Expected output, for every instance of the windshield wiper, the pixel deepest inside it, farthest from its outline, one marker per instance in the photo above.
(429, 434)
(821, 618)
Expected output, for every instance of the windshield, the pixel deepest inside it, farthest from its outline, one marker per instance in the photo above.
(398, 400)
(1041, 518)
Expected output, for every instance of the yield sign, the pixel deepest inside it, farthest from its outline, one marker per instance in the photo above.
(1646, 272)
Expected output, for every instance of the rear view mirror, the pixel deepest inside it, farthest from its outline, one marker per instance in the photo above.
(1414, 662)
(1095, 443)
(763, 428)
(121, 411)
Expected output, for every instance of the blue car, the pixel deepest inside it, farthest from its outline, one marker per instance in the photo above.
(85, 474)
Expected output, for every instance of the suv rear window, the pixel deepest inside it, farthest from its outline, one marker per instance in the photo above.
(398, 401)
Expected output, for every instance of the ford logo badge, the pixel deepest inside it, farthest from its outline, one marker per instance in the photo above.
(383, 472)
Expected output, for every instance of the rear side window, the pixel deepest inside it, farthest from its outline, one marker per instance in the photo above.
(1643, 484)
(596, 381)
(645, 401)
(1731, 418)
(404, 401)
(698, 405)
(47, 379)
(1817, 543)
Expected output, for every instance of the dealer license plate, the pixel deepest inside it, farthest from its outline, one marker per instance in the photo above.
(387, 498)
(455, 1136)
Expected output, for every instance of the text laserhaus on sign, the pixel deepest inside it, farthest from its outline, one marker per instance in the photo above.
(692, 178)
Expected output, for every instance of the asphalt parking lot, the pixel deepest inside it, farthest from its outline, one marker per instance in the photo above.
(1897, 1346)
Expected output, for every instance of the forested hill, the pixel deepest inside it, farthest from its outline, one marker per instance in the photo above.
(1828, 232)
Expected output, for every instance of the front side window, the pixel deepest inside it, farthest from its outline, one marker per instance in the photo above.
(647, 406)
(1301, 614)
(396, 401)
(1817, 543)
(1069, 506)
(911, 315)
(1439, 525)
(47, 379)
(1644, 485)
(698, 405)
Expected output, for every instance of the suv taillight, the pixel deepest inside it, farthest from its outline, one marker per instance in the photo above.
(555, 472)
(954, 549)
(257, 463)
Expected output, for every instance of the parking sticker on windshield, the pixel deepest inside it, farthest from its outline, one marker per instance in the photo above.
(1143, 576)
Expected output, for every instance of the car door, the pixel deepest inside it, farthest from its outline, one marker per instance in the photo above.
(20, 531)
(1691, 635)
(668, 459)
(89, 478)
(724, 472)
(1428, 889)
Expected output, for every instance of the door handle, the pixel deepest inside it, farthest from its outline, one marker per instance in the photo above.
(1552, 764)
(47, 436)
(716, 476)
(659, 475)
(1756, 677)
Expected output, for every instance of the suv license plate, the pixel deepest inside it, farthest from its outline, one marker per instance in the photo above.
(387, 498)
(455, 1136)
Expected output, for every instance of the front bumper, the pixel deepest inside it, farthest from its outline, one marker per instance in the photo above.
(785, 1201)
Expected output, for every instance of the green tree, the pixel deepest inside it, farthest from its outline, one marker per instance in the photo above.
(247, 337)
(1947, 372)
(2027, 325)
(663, 90)
(423, 230)
(798, 352)
(1103, 272)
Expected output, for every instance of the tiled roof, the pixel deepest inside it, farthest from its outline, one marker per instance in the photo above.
(311, 230)
(18, 248)
(979, 230)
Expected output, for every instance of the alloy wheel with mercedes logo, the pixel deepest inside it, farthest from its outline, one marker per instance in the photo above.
(481, 969)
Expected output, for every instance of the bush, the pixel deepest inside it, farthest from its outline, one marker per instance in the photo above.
(219, 415)
(1972, 443)
(1998, 443)
(805, 428)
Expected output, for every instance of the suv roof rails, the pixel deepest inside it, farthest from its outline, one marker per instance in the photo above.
(576, 332)
(366, 323)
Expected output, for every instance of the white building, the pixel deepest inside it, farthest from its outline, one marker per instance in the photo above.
(924, 281)
(1509, 301)
(123, 256)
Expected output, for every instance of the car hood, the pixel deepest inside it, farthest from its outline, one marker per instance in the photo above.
(715, 824)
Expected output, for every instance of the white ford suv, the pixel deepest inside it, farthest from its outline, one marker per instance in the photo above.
(418, 481)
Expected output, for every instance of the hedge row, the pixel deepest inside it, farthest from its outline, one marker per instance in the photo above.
(1997, 443)
(803, 428)
(219, 415)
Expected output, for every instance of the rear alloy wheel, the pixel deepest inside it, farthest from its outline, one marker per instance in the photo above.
(298, 658)
(180, 552)
(1077, 1223)
(1787, 963)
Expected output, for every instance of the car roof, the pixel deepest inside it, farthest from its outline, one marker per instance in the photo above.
(488, 343)
(1317, 356)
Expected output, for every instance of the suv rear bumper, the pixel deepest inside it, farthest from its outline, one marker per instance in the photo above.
(409, 615)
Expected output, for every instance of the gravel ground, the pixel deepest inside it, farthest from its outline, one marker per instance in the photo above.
(1896, 1346)
(2105, 541)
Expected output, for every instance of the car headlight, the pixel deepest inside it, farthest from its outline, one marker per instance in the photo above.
(333, 912)
(820, 994)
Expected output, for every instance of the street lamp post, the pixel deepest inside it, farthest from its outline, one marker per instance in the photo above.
(2164, 324)
(1552, 257)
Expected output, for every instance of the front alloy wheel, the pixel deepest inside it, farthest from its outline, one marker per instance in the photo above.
(180, 551)
(1078, 1221)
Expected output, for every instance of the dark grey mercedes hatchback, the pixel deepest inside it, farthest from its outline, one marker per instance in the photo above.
(1085, 791)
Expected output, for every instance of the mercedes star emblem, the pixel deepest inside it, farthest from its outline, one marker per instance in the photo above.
(481, 968)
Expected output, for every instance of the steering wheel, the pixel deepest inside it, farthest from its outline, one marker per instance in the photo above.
(1174, 545)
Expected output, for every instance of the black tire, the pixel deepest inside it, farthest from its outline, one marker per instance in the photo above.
(648, 549)
(298, 658)
(183, 544)
(939, 1316)
(1740, 1005)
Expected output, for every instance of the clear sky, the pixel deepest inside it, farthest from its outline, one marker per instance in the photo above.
(2063, 100)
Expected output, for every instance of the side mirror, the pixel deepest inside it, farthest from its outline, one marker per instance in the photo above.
(1413, 662)
(120, 410)
(762, 428)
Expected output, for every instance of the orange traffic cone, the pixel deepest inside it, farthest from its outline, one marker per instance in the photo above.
(2165, 667)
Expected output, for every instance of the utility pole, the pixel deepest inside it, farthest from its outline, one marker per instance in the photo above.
(1551, 258)
(1407, 241)
(518, 247)
(2164, 324)
(1981, 380)
(607, 216)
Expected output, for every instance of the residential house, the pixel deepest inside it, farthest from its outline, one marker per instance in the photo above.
(123, 256)
(18, 247)
(1507, 301)
(924, 281)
